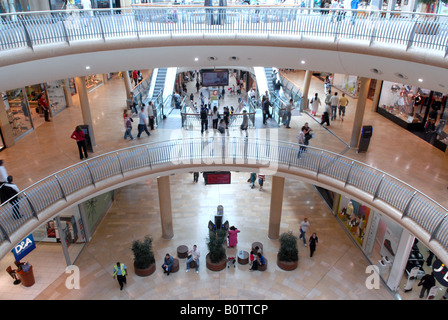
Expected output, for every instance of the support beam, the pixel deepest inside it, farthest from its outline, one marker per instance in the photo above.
(275, 214)
(166, 215)
(85, 107)
(359, 112)
(306, 89)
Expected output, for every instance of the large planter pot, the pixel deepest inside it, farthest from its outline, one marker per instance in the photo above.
(287, 265)
(215, 266)
(145, 272)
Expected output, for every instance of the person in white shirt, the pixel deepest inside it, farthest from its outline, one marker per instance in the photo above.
(304, 225)
(334, 102)
(195, 254)
(3, 172)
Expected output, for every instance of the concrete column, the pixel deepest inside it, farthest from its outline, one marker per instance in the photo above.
(85, 107)
(163, 184)
(376, 96)
(400, 260)
(127, 83)
(306, 88)
(67, 93)
(359, 113)
(8, 137)
(275, 214)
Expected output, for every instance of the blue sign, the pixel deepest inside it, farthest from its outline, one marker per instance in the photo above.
(24, 247)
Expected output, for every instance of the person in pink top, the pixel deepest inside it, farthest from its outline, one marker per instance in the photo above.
(79, 136)
(233, 237)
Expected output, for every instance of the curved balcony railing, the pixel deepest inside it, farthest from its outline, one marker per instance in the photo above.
(228, 151)
(409, 29)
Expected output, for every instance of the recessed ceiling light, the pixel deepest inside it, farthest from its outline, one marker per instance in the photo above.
(420, 80)
(87, 67)
(196, 59)
(302, 62)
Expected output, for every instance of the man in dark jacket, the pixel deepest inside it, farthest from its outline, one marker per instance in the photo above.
(427, 282)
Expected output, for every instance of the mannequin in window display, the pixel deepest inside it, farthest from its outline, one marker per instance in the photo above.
(410, 103)
(418, 102)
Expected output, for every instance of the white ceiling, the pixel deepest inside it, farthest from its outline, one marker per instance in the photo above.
(20, 68)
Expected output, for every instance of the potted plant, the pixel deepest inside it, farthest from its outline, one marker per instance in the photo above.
(288, 254)
(144, 262)
(216, 259)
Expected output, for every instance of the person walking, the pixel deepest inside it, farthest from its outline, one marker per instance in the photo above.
(326, 115)
(9, 191)
(42, 102)
(245, 123)
(302, 141)
(120, 271)
(194, 256)
(288, 113)
(233, 236)
(343, 103)
(79, 137)
(334, 102)
(3, 172)
(427, 282)
(215, 117)
(261, 179)
(252, 179)
(315, 103)
(266, 111)
(304, 225)
(313, 243)
(142, 125)
(150, 111)
(204, 119)
(128, 126)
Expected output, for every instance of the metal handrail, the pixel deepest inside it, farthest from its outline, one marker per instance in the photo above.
(408, 29)
(413, 204)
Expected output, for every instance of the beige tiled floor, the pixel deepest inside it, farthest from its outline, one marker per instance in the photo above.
(337, 271)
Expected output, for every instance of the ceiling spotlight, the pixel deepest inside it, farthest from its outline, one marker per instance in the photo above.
(196, 59)
(87, 67)
(420, 80)
(302, 62)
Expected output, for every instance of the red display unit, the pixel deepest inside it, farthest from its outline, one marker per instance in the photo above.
(217, 177)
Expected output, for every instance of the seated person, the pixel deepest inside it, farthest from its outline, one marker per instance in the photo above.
(167, 264)
(259, 261)
(193, 256)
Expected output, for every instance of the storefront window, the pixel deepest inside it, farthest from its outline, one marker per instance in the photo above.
(412, 108)
(354, 216)
(94, 81)
(347, 83)
(33, 94)
(19, 115)
(56, 96)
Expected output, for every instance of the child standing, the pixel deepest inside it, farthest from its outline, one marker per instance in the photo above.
(251, 258)
(261, 181)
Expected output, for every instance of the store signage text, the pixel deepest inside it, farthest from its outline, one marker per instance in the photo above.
(24, 247)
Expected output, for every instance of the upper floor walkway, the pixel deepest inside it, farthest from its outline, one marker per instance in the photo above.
(385, 45)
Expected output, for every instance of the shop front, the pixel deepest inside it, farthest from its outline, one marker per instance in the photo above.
(24, 112)
(401, 259)
(413, 108)
(54, 245)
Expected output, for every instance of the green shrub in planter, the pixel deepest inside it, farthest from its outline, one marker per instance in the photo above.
(289, 251)
(143, 254)
(215, 244)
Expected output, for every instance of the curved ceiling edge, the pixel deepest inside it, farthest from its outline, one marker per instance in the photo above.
(49, 62)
